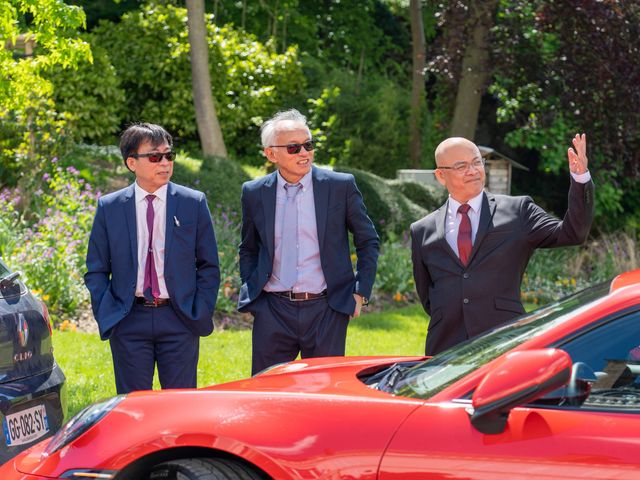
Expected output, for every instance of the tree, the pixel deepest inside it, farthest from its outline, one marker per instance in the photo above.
(28, 119)
(475, 71)
(209, 130)
(417, 90)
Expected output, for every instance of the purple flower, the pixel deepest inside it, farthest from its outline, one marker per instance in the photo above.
(46, 177)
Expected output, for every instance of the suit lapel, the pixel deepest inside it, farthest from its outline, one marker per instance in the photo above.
(129, 205)
(486, 215)
(268, 197)
(172, 206)
(321, 202)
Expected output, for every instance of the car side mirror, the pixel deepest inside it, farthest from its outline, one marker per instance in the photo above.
(516, 379)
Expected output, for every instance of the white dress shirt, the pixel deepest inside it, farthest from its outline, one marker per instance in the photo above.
(159, 229)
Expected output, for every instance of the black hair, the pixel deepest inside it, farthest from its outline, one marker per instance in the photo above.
(138, 133)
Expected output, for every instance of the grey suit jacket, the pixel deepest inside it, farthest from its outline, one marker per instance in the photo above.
(466, 301)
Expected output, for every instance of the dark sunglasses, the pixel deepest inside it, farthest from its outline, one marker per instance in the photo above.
(293, 148)
(156, 157)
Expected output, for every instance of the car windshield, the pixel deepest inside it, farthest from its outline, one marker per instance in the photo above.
(433, 375)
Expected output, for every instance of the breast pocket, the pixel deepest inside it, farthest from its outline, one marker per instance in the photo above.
(184, 237)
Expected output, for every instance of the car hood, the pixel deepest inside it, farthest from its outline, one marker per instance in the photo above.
(297, 411)
(327, 375)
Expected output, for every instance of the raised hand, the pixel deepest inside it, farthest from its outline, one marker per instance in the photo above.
(578, 161)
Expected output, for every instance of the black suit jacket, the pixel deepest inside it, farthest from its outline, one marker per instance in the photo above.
(466, 301)
(339, 210)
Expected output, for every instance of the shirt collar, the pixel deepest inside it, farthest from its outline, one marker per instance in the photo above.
(475, 203)
(304, 181)
(141, 194)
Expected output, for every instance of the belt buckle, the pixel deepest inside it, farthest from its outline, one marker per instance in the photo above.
(292, 297)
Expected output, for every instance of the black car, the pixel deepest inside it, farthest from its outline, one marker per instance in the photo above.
(32, 386)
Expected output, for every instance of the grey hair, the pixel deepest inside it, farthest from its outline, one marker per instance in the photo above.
(269, 129)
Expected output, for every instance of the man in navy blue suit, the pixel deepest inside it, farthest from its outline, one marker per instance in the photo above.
(295, 264)
(152, 268)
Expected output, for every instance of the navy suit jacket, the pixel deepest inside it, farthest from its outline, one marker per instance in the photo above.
(464, 301)
(339, 210)
(191, 267)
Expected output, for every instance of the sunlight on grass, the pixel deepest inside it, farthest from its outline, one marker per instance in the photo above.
(226, 355)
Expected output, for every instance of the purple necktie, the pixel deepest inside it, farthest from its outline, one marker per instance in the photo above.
(289, 251)
(464, 234)
(151, 289)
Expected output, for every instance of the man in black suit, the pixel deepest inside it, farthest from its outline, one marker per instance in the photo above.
(469, 256)
(295, 264)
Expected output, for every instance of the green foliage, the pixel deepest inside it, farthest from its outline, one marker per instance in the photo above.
(90, 97)
(361, 36)
(394, 277)
(29, 122)
(554, 273)
(227, 224)
(429, 197)
(150, 52)
(49, 245)
(363, 126)
(390, 211)
(542, 50)
(220, 179)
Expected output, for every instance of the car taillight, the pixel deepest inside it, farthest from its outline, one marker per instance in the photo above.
(45, 316)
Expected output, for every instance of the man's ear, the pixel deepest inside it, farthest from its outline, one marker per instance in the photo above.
(440, 177)
(131, 163)
(269, 154)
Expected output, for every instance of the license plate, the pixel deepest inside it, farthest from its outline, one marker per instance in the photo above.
(25, 426)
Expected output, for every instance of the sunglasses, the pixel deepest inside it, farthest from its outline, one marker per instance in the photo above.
(293, 148)
(155, 157)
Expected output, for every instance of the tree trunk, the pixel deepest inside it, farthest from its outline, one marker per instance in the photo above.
(417, 89)
(209, 130)
(475, 71)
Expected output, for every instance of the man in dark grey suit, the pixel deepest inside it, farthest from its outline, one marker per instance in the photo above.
(295, 264)
(469, 256)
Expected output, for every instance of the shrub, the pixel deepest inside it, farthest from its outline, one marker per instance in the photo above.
(362, 126)
(428, 197)
(219, 178)
(554, 273)
(390, 211)
(91, 98)
(394, 278)
(149, 49)
(49, 245)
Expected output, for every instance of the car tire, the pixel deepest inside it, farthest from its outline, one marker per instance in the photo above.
(204, 469)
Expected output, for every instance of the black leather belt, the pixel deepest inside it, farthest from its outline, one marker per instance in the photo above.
(300, 296)
(157, 302)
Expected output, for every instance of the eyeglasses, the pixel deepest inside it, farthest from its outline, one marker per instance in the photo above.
(155, 157)
(463, 167)
(294, 148)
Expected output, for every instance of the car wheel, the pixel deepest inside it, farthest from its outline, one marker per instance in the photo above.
(204, 469)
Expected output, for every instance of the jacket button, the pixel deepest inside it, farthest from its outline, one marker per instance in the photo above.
(466, 300)
(465, 275)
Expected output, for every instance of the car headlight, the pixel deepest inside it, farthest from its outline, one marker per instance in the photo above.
(80, 424)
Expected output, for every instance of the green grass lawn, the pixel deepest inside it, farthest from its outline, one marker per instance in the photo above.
(226, 355)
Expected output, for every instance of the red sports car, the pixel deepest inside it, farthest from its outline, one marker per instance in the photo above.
(553, 395)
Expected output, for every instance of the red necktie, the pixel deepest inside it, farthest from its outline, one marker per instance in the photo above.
(464, 234)
(150, 275)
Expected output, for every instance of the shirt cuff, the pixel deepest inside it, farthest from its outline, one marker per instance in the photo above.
(581, 177)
